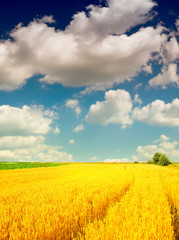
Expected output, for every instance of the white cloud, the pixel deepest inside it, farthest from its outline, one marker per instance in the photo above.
(79, 128)
(134, 158)
(168, 76)
(170, 50)
(56, 130)
(46, 19)
(117, 17)
(138, 86)
(169, 145)
(169, 56)
(93, 50)
(117, 109)
(116, 160)
(159, 113)
(94, 158)
(25, 120)
(73, 104)
(162, 138)
(52, 154)
(114, 109)
(137, 99)
(78, 110)
(8, 155)
(146, 152)
(171, 149)
(15, 142)
(21, 131)
(31, 148)
(71, 141)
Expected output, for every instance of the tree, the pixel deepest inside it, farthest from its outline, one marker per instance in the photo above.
(160, 159)
(156, 157)
(163, 160)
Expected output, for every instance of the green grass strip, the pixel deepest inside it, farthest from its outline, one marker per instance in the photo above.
(21, 165)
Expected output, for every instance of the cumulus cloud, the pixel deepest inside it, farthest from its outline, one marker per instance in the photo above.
(134, 158)
(24, 121)
(46, 19)
(114, 109)
(117, 108)
(168, 76)
(138, 86)
(22, 133)
(159, 113)
(31, 148)
(137, 99)
(94, 158)
(170, 146)
(16, 142)
(162, 138)
(78, 128)
(73, 104)
(163, 145)
(170, 51)
(117, 17)
(52, 154)
(78, 110)
(146, 152)
(56, 130)
(92, 50)
(116, 160)
(169, 56)
(71, 141)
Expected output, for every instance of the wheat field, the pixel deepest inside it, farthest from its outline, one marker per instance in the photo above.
(90, 201)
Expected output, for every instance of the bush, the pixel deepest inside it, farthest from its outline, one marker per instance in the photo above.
(156, 157)
(159, 159)
(163, 160)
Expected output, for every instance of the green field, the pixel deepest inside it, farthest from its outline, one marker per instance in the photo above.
(21, 165)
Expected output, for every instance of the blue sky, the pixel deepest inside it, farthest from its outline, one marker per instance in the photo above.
(89, 80)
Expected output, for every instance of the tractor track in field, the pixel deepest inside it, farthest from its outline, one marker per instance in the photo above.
(124, 190)
(174, 213)
(175, 218)
(118, 199)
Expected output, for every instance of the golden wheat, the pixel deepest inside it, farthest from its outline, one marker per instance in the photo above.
(88, 201)
(143, 213)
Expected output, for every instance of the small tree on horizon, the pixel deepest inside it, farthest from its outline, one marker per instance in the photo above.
(156, 157)
(160, 159)
(163, 160)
